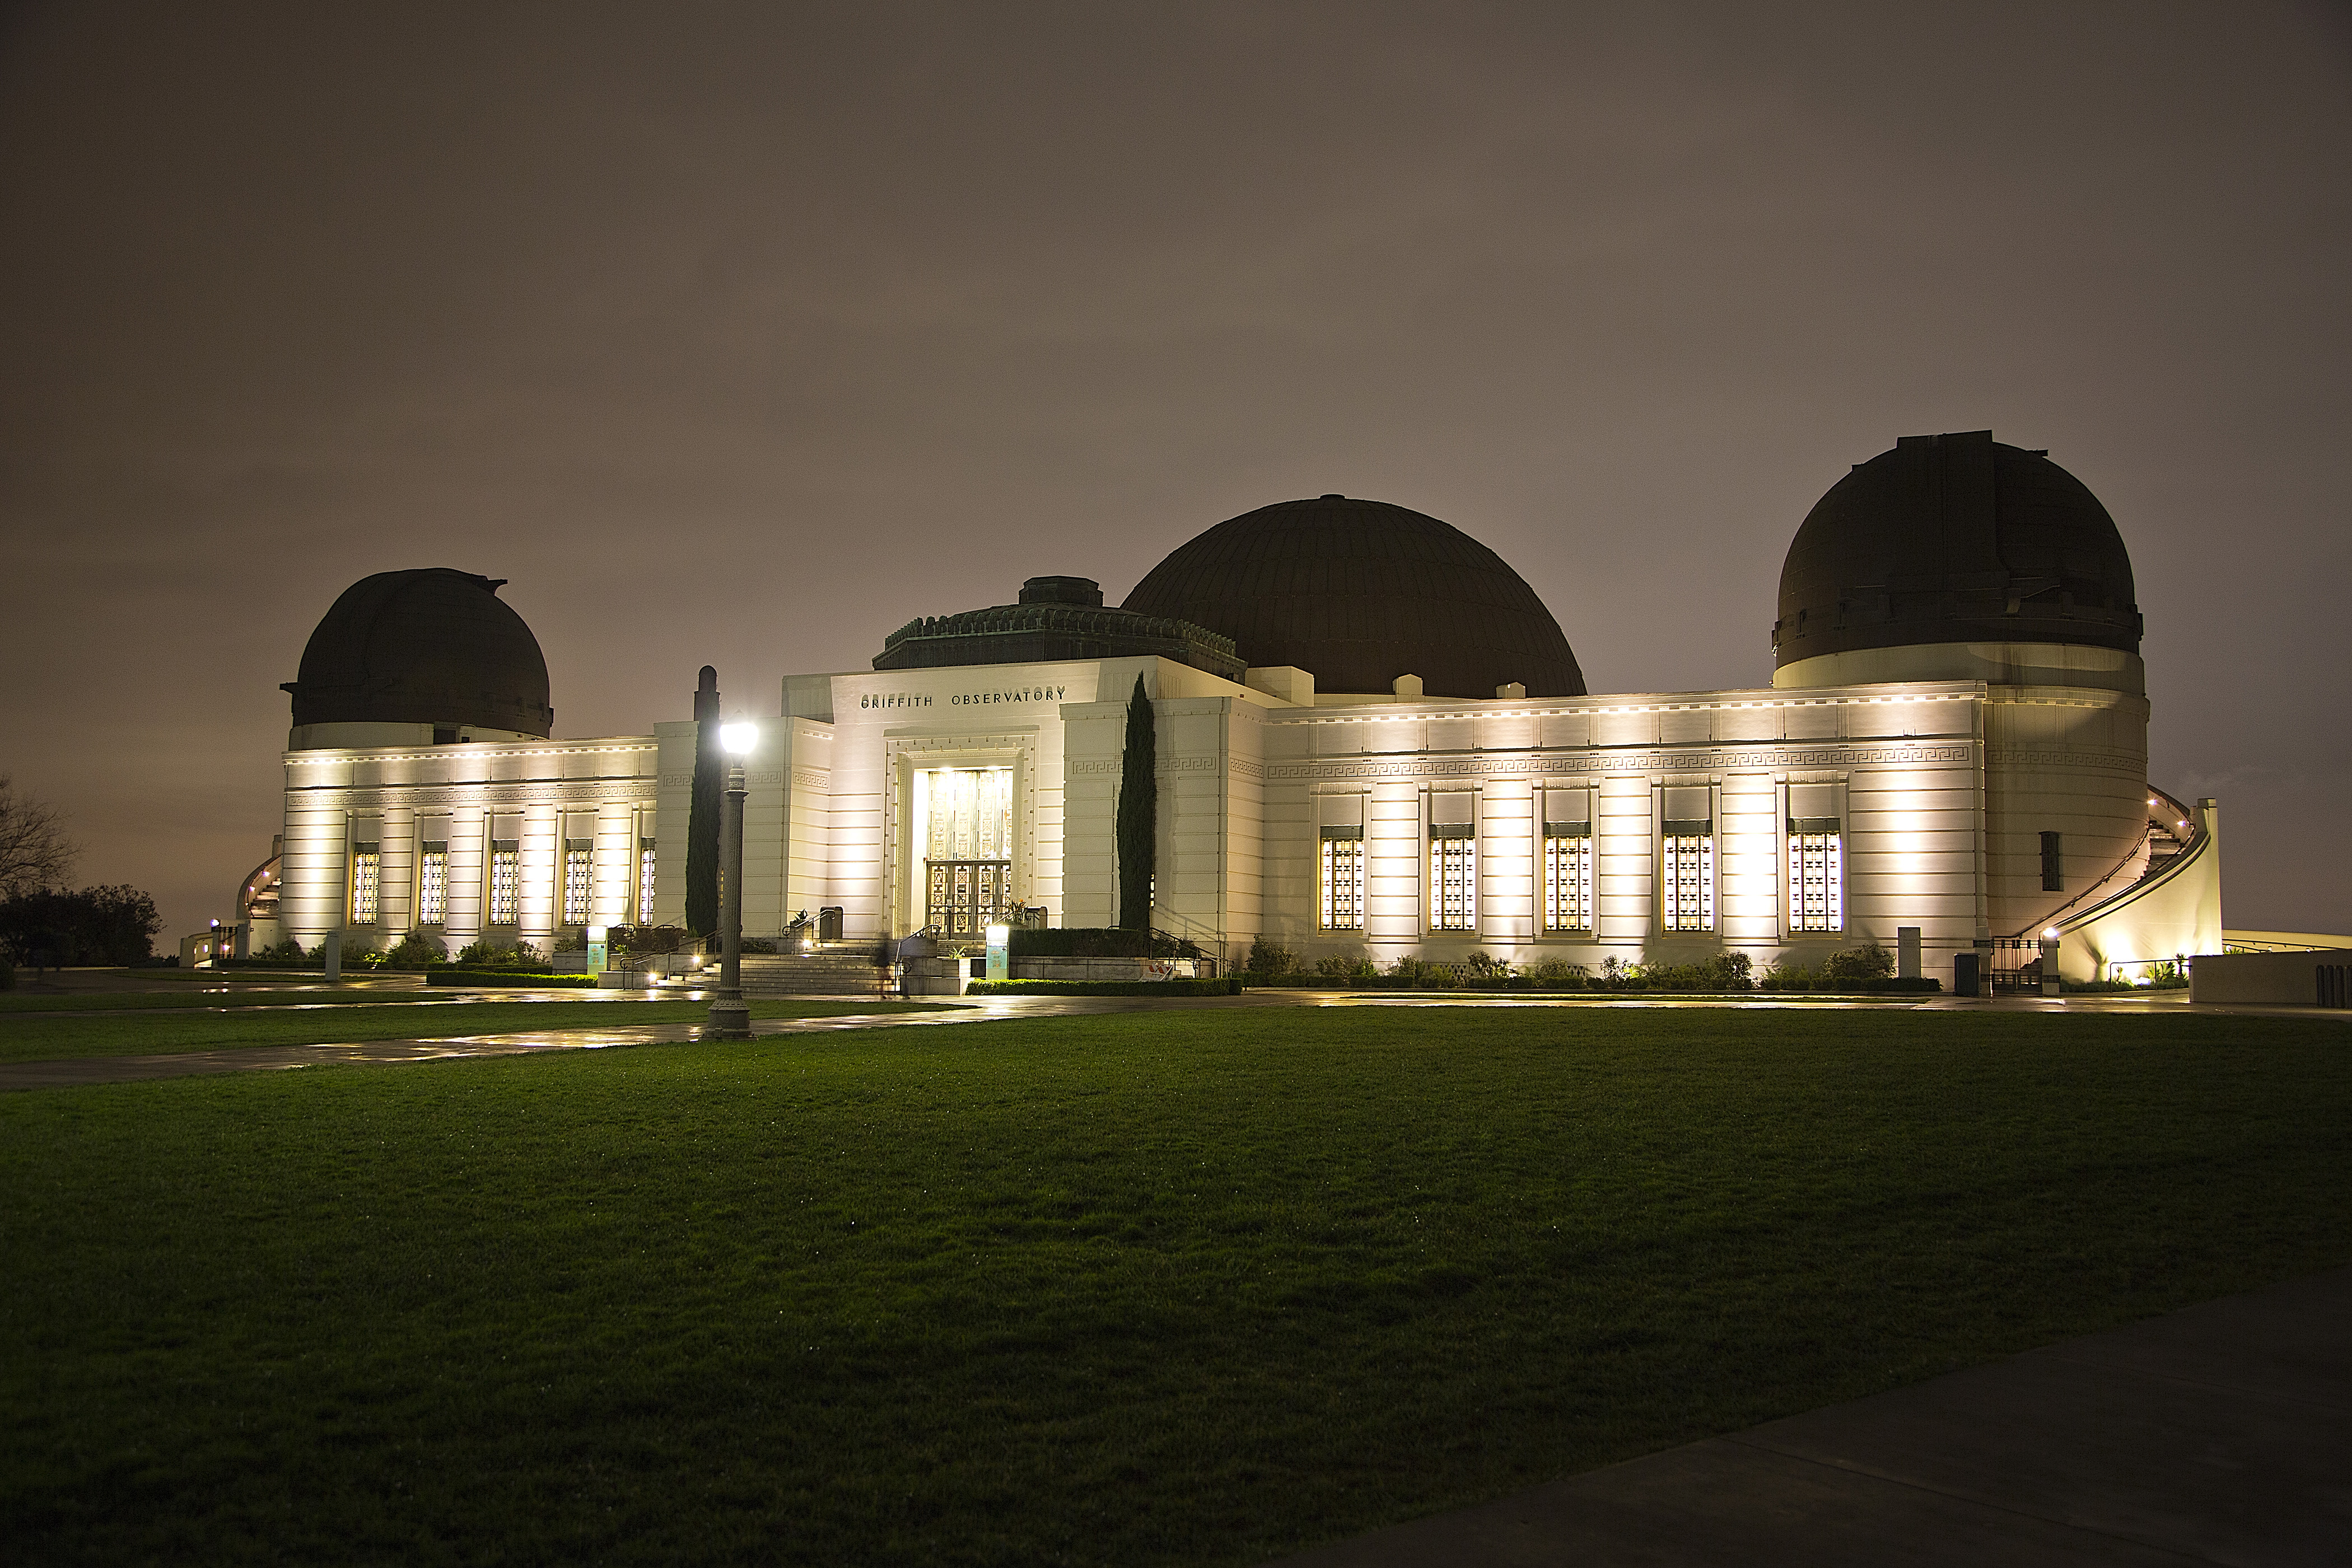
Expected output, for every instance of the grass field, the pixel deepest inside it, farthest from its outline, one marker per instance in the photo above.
(114, 1034)
(1187, 1287)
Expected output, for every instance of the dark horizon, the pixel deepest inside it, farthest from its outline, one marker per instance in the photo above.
(743, 338)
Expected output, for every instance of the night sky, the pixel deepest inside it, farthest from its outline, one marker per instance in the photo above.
(745, 335)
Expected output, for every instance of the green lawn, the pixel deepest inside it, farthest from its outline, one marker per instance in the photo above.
(1187, 1287)
(26, 1040)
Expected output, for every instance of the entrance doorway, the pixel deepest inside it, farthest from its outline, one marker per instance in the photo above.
(964, 819)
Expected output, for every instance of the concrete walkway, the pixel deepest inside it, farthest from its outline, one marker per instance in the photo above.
(2219, 1434)
(78, 1071)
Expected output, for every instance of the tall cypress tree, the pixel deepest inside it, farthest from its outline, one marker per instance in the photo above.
(1138, 813)
(702, 820)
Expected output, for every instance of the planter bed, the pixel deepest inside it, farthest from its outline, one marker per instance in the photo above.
(1229, 985)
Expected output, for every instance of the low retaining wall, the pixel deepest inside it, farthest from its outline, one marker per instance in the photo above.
(1115, 969)
(2272, 978)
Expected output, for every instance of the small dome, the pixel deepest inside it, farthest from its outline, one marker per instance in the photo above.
(1955, 539)
(426, 647)
(1358, 593)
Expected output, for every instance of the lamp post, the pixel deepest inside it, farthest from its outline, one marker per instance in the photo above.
(731, 1016)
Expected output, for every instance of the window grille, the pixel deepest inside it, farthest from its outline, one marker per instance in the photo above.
(1689, 878)
(432, 882)
(366, 867)
(645, 881)
(579, 855)
(1453, 878)
(1567, 876)
(1816, 874)
(506, 881)
(1343, 879)
(2053, 870)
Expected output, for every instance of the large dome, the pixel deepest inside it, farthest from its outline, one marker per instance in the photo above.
(1358, 593)
(1955, 539)
(426, 647)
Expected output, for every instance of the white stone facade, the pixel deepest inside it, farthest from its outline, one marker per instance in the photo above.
(1942, 793)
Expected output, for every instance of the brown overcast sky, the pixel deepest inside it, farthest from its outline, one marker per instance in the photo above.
(745, 334)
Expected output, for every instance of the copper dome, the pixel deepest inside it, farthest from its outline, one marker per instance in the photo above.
(432, 646)
(1358, 593)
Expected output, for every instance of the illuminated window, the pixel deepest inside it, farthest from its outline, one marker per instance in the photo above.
(366, 866)
(506, 881)
(432, 882)
(1567, 876)
(1453, 876)
(1343, 879)
(1816, 874)
(1689, 878)
(579, 855)
(645, 881)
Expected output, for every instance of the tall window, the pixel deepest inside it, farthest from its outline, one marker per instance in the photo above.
(1689, 874)
(2054, 870)
(432, 882)
(579, 857)
(506, 881)
(1453, 876)
(645, 881)
(1343, 879)
(366, 869)
(1816, 874)
(1567, 876)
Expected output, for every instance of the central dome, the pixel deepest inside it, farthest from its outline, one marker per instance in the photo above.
(1358, 593)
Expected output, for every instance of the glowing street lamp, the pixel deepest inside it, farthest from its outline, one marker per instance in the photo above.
(731, 1016)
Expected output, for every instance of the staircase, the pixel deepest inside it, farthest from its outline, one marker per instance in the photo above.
(847, 970)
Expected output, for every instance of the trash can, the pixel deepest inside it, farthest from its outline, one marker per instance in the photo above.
(828, 923)
(1964, 975)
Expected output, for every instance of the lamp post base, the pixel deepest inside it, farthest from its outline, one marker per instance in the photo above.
(730, 1020)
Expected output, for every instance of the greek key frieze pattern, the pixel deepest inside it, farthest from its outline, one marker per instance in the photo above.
(2013, 756)
(1240, 766)
(1522, 764)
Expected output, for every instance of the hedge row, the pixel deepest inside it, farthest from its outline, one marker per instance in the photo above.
(1565, 987)
(450, 974)
(1095, 942)
(1230, 985)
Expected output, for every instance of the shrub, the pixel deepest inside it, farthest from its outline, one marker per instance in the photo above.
(1267, 959)
(1486, 966)
(416, 949)
(1732, 971)
(285, 949)
(1352, 964)
(485, 953)
(1871, 963)
(645, 941)
(1556, 970)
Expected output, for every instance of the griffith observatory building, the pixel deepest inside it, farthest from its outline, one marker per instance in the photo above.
(1371, 737)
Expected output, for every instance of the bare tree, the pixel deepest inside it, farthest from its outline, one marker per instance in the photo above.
(34, 849)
